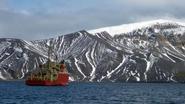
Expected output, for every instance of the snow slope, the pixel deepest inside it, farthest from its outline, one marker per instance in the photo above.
(125, 28)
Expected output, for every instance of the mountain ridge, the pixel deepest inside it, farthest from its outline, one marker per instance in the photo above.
(126, 28)
(136, 56)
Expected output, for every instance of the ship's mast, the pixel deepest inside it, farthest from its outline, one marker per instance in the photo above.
(49, 50)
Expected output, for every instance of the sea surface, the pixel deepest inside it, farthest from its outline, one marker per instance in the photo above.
(16, 92)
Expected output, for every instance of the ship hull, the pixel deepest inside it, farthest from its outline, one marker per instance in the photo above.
(44, 83)
(62, 80)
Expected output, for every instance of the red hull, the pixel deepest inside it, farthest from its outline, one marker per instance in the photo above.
(62, 80)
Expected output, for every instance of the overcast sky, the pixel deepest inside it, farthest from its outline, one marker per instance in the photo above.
(39, 19)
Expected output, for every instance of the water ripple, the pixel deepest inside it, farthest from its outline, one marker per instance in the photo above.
(16, 92)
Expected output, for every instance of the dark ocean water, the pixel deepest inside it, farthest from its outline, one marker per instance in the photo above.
(16, 92)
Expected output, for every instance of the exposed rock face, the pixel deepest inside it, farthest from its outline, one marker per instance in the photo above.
(151, 53)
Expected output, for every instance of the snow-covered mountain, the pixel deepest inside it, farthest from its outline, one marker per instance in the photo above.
(152, 51)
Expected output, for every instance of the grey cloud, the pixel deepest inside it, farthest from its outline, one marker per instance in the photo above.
(2, 4)
(31, 25)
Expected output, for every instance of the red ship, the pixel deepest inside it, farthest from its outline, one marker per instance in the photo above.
(49, 74)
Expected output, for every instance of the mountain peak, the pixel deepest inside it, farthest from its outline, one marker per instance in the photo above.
(125, 28)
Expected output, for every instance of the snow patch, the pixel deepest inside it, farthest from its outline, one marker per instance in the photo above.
(90, 62)
(101, 78)
(18, 49)
(183, 48)
(7, 54)
(169, 57)
(76, 63)
(109, 73)
(71, 79)
(1, 76)
(149, 64)
(25, 56)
